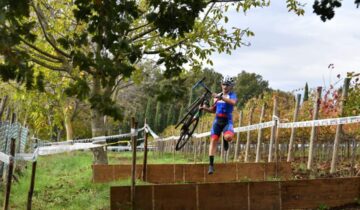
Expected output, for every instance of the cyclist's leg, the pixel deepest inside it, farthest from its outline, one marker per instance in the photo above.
(228, 132)
(214, 137)
(215, 133)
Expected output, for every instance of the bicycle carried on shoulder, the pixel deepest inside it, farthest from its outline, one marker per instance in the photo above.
(191, 119)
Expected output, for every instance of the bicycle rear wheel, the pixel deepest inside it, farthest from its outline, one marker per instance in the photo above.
(187, 130)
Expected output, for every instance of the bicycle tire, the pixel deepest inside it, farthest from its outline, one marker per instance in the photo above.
(190, 109)
(186, 131)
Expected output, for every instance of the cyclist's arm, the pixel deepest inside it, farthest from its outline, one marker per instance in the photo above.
(229, 101)
(208, 109)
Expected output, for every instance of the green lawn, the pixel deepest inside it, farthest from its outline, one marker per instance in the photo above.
(64, 181)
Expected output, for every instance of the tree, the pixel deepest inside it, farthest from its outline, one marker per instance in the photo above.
(326, 8)
(98, 44)
(306, 92)
(248, 85)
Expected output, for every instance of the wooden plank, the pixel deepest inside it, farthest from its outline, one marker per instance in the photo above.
(179, 170)
(223, 173)
(122, 171)
(313, 193)
(175, 197)
(160, 174)
(120, 198)
(194, 172)
(264, 195)
(215, 196)
(103, 173)
(284, 170)
(170, 173)
(250, 171)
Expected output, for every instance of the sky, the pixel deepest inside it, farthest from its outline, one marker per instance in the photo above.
(289, 50)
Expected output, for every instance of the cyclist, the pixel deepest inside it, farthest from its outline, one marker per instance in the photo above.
(223, 122)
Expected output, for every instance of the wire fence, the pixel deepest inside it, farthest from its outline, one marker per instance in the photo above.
(8, 131)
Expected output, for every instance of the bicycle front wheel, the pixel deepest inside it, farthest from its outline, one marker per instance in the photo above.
(186, 131)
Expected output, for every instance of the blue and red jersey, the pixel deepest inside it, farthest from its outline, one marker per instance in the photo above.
(223, 109)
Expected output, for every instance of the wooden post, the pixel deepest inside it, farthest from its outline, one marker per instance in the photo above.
(145, 152)
(257, 159)
(133, 166)
(276, 135)
(292, 136)
(32, 184)
(9, 175)
(313, 128)
(247, 148)
(273, 130)
(339, 127)
(238, 138)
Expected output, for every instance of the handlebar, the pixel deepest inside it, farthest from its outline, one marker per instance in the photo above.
(201, 83)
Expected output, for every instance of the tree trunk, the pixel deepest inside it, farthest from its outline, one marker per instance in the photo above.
(68, 127)
(97, 128)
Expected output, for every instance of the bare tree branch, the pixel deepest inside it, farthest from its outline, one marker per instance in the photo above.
(182, 41)
(136, 28)
(39, 50)
(55, 68)
(41, 18)
(142, 34)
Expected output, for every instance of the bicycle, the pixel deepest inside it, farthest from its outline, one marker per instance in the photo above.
(191, 118)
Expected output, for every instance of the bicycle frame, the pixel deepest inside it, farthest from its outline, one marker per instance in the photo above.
(191, 118)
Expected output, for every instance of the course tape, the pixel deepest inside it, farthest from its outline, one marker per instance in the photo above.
(323, 122)
(5, 158)
(96, 140)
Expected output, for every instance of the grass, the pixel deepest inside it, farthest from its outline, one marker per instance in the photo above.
(64, 181)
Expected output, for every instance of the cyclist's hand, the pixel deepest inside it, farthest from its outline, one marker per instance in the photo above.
(218, 96)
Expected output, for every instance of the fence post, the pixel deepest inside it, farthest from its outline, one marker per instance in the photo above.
(133, 166)
(247, 147)
(292, 136)
(313, 128)
(145, 151)
(273, 129)
(257, 159)
(238, 138)
(10, 174)
(339, 127)
(32, 182)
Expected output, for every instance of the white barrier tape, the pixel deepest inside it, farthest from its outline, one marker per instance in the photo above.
(66, 148)
(324, 122)
(5, 158)
(152, 133)
(254, 127)
(97, 139)
(28, 156)
(201, 135)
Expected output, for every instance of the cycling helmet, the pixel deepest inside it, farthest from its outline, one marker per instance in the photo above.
(228, 81)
